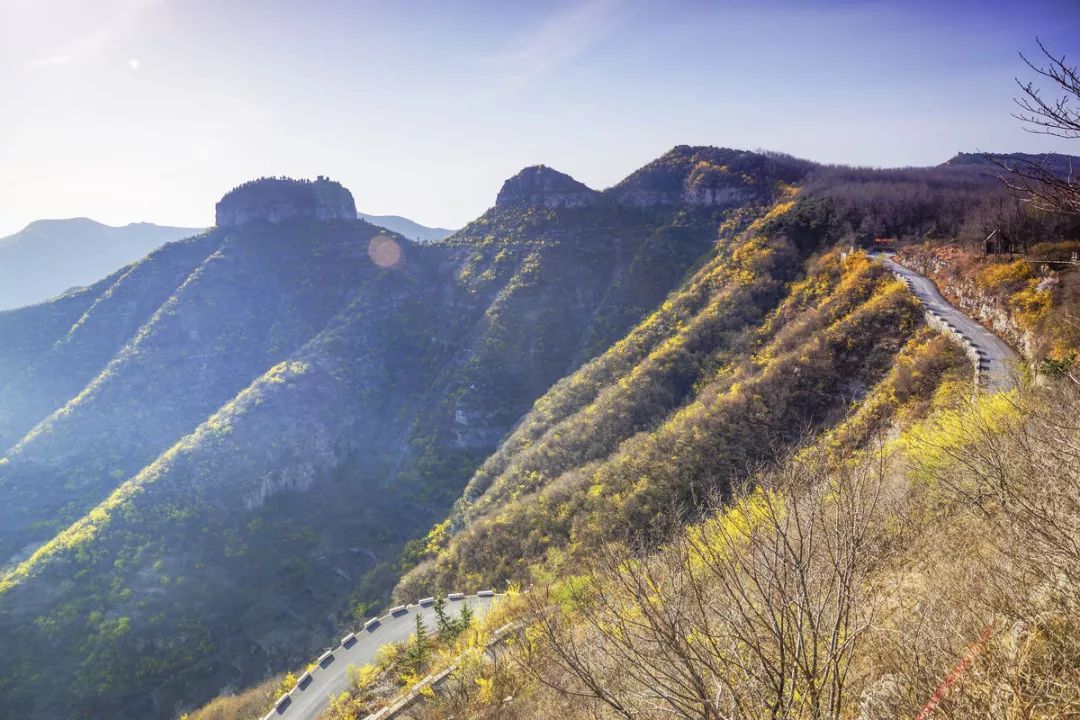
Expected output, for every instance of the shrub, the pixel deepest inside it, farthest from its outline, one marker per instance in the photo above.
(1031, 305)
(1005, 275)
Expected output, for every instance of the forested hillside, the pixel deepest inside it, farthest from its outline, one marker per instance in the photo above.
(778, 496)
(216, 456)
(768, 342)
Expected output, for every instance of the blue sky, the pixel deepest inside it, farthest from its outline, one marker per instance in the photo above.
(126, 110)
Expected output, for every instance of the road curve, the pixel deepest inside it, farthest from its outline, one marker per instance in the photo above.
(330, 678)
(998, 363)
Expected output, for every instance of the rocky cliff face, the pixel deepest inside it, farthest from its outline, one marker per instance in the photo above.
(540, 186)
(277, 199)
(202, 430)
(707, 177)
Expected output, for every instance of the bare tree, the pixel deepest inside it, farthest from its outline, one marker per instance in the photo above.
(1049, 185)
(755, 613)
(1017, 475)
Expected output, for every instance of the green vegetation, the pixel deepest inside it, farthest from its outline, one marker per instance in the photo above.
(259, 428)
(419, 647)
(936, 568)
(236, 437)
(744, 359)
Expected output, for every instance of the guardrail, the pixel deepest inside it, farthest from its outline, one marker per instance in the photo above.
(975, 354)
(309, 678)
(432, 681)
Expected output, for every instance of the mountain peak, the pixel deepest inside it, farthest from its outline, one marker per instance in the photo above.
(75, 222)
(541, 186)
(281, 198)
(708, 176)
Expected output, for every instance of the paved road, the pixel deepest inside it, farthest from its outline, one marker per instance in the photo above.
(999, 363)
(310, 698)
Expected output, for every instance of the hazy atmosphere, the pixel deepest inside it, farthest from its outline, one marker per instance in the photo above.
(596, 360)
(147, 110)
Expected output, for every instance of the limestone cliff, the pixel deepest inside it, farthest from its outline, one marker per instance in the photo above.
(707, 177)
(540, 186)
(277, 199)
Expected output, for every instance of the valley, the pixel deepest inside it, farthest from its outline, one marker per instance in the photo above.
(732, 373)
(331, 418)
(333, 412)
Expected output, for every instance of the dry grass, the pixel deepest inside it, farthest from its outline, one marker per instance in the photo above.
(945, 568)
(249, 704)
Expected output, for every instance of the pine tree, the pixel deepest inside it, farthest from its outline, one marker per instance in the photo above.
(443, 622)
(421, 642)
(421, 646)
(465, 618)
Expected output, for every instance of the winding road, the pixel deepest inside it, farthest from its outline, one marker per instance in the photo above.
(314, 691)
(330, 678)
(998, 364)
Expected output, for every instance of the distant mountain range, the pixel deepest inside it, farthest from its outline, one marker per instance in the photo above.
(407, 228)
(1056, 163)
(216, 449)
(217, 457)
(48, 257)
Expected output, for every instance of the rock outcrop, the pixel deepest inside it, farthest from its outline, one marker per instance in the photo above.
(277, 199)
(708, 177)
(540, 186)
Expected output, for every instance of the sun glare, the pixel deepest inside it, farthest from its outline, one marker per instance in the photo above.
(384, 251)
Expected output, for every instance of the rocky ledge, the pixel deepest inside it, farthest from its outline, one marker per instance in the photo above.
(709, 177)
(540, 186)
(277, 199)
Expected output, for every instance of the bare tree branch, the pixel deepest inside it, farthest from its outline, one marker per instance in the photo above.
(1044, 184)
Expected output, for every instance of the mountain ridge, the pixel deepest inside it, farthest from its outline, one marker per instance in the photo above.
(277, 413)
(53, 256)
(408, 228)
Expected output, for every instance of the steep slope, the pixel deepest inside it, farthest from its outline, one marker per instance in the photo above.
(48, 257)
(408, 228)
(740, 363)
(763, 347)
(307, 397)
(784, 351)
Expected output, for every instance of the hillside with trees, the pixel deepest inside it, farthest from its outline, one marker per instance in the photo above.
(222, 451)
(550, 397)
(691, 432)
(766, 344)
(703, 525)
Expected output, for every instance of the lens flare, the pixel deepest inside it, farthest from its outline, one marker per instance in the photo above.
(384, 251)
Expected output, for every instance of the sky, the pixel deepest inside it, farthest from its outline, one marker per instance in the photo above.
(150, 110)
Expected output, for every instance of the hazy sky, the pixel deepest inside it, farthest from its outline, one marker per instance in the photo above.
(126, 110)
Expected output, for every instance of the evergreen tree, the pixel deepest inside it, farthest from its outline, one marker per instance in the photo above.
(421, 646)
(443, 622)
(465, 618)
